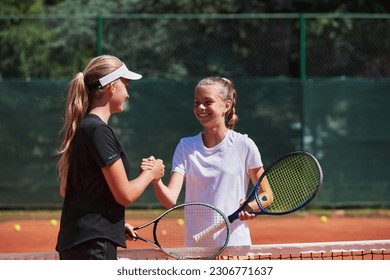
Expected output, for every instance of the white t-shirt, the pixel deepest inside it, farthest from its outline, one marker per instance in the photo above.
(219, 176)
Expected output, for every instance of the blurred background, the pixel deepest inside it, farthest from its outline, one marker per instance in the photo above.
(310, 75)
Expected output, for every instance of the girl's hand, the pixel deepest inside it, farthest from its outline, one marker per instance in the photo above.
(156, 166)
(245, 215)
(130, 232)
(146, 164)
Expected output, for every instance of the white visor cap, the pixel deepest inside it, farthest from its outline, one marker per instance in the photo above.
(121, 72)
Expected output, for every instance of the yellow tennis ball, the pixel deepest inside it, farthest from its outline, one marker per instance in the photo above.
(17, 227)
(53, 222)
(323, 219)
(180, 222)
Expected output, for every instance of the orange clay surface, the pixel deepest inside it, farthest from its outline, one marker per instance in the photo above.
(39, 235)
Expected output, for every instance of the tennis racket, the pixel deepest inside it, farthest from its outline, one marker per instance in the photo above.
(172, 231)
(287, 185)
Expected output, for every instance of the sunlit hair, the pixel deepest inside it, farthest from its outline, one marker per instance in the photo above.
(83, 88)
(227, 92)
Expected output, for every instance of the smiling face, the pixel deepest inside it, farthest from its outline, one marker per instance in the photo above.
(209, 107)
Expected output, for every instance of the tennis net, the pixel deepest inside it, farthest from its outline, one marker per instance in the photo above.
(344, 250)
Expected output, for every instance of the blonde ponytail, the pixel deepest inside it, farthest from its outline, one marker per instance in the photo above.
(76, 107)
(83, 88)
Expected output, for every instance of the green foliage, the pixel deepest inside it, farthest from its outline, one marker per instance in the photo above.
(25, 42)
(21, 8)
(26, 45)
(55, 39)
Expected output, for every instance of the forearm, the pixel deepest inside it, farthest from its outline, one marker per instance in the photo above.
(137, 186)
(266, 195)
(124, 191)
(165, 195)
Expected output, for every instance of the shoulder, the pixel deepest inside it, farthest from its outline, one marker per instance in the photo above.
(92, 121)
(95, 128)
(241, 140)
(187, 145)
(190, 140)
(238, 137)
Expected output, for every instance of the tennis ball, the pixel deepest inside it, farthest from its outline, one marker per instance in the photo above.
(180, 222)
(53, 222)
(323, 219)
(17, 227)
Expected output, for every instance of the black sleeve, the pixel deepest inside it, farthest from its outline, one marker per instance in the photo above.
(105, 146)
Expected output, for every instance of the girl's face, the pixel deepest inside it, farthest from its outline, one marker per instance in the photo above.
(119, 95)
(209, 107)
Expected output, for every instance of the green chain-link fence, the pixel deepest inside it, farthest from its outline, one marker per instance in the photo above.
(182, 46)
(313, 82)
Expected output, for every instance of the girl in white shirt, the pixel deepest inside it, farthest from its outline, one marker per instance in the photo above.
(216, 164)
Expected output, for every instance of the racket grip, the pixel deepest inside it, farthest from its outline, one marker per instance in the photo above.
(208, 231)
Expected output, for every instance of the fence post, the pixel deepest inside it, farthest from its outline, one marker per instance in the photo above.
(302, 51)
(302, 69)
(99, 35)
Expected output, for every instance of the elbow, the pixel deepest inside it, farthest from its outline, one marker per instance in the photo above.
(62, 191)
(169, 204)
(125, 200)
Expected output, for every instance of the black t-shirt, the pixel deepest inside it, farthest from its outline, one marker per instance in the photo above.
(90, 210)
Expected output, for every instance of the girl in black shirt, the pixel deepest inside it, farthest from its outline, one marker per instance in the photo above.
(93, 167)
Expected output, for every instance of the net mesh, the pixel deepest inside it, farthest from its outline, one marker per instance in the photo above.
(352, 250)
(345, 250)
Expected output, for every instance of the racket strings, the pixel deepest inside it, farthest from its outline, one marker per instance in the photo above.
(176, 229)
(293, 182)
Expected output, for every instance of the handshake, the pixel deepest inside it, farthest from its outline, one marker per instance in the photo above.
(153, 165)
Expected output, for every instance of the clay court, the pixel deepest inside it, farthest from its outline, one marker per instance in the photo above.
(37, 234)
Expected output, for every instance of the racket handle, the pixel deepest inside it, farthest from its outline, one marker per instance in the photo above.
(208, 231)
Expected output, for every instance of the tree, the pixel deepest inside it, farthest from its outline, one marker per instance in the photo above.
(24, 43)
